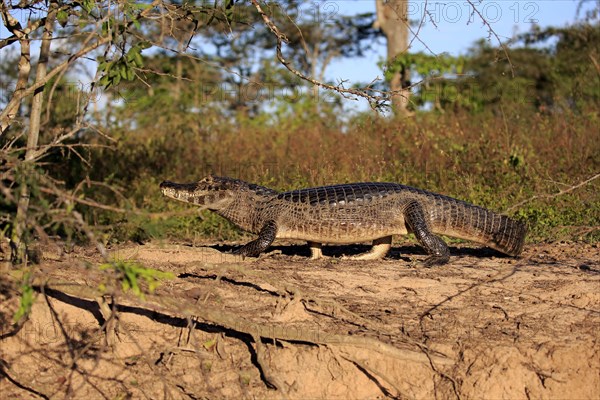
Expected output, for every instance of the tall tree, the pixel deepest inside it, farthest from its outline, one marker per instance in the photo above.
(392, 19)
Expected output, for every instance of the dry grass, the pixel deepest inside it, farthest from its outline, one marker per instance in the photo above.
(494, 160)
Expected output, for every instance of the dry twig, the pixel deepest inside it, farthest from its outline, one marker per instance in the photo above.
(376, 101)
(550, 196)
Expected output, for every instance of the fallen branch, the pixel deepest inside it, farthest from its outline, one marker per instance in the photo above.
(329, 307)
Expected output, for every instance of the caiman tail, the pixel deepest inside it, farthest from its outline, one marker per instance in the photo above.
(508, 235)
(467, 221)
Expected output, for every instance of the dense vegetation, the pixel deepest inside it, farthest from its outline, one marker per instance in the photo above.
(498, 161)
(516, 132)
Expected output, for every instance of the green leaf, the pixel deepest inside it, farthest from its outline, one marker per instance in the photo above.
(130, 274)
(123, 70)
(104, 81)
(209, 343)
(27, 299)
(140, 6)
(131, 54)
(105, 28)
(139, 61)
(88, 5)
(63, 18)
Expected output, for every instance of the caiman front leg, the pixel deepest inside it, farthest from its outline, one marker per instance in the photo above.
(380, 248)
(433, 245)
(266, 236)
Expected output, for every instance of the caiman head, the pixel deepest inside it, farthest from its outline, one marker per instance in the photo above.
(213, 192)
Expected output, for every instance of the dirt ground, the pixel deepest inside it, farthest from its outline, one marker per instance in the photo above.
(283, 326)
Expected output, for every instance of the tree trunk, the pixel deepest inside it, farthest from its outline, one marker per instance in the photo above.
(392, 19)
(33, 136)
(14, 26)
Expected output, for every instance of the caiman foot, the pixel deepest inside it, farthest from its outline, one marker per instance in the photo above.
(265, 238)
(316, 251)
(434, 245)
(438, 250)
(433, 261)
(379, 250)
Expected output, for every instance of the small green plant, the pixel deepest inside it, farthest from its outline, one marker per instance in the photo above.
(130, 273)
(27, 299)
(245, 379)
(207, 366)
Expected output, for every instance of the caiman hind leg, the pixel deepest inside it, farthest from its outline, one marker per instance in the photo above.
(414, 216)
(380, 248)
(316, 251)
(265, 238)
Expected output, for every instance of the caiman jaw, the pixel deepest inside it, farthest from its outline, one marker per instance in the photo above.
(197, 193)
(185, 192)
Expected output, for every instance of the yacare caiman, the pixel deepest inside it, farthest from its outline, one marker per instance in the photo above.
(350, 213)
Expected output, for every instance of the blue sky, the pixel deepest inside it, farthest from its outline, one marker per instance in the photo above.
(455, 30)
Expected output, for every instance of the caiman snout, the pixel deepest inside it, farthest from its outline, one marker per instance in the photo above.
(167, 184)
(180, 191)
(189, 187)
(201, 193)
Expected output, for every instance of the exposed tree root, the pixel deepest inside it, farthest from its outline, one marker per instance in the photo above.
(386, 384)
(173, 308)
(330, 308)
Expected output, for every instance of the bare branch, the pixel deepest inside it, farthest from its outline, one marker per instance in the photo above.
(493, 33)
(5, 117)
(550, 196)
(90, 234)
(15, 37)
(421, 23)
(375, 101)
